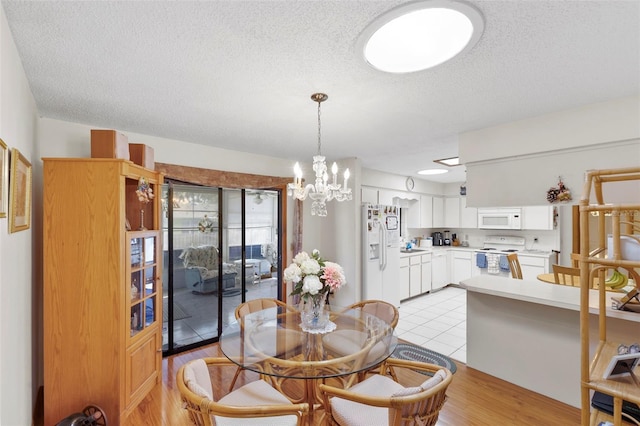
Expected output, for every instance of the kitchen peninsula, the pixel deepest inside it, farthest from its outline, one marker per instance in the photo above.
(528, 333)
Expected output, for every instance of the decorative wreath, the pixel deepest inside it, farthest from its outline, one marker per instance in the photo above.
(559, 193)
(205, 225)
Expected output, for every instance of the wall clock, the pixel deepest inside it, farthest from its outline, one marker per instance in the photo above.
(410, 184)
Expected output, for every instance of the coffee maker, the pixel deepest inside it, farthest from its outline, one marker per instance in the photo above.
(438, 239)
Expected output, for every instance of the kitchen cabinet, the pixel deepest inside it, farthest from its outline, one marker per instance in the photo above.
(532, 266)
(452, 212)
(411, 213)
(404, 278)
(461, 265)
(102, 297)
(538, 217)
(439, 270)
(426, 211)
(468, 215)
(385, 197)
(438, 212)
(369, 195)
(415, 276)
(425, 269)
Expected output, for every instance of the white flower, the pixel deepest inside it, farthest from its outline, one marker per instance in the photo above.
(293, 273)
(311, 284)
(301, 257)
(310, 267)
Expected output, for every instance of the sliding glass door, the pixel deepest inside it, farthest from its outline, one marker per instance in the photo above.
(220, 249)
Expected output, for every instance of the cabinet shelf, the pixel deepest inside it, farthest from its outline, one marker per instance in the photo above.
(604, 251)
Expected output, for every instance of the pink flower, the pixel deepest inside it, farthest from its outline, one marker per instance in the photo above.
(333, 275)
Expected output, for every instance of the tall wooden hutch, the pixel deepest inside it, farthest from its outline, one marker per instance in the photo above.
(102, 287)
(615, 245)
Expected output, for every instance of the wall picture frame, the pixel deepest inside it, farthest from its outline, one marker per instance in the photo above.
(19, 192)
(4, 179)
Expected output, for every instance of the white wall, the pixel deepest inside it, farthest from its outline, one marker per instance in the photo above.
(516, 163)
(19, 294)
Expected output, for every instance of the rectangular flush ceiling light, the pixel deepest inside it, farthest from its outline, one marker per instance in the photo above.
(449, 162)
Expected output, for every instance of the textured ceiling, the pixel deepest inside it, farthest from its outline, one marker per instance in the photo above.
(239, 74)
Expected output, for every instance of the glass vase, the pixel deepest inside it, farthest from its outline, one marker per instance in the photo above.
(313, 314)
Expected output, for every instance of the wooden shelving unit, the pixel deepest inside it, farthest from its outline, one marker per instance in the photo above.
(617, 226)
(102, 287)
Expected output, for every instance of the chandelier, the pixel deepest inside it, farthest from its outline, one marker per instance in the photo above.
(323, 190)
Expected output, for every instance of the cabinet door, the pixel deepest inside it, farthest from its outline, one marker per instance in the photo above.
(415, 278)
(439, 271)
(426, 273)
(142, 286)
(538, 217)
(461, 266)
(468, 215)
(141, 368)
(438, 212)
(452, 212)
(404, 282)
(532, 266)
(369, 195)
(426, 211)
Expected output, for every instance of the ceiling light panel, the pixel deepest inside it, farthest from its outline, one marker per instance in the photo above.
(421, 35)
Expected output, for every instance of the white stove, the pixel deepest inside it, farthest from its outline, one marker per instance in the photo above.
(492, 257)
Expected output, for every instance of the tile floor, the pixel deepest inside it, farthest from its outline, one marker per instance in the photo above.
(437, 321)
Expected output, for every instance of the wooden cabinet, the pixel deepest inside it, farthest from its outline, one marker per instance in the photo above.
(102, 290)
(539, 217)
(612, 247)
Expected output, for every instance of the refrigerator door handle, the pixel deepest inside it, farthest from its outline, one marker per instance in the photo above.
(383, 247)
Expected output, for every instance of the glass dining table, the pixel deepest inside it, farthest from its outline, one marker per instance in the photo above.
(272, 343)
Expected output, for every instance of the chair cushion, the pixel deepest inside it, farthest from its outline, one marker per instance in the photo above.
(197, 378)
(355, 414)
(253, 394)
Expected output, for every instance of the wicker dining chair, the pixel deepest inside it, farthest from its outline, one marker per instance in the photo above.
(381, 309)
(255, 305)
(514, 266)
(382, 400)
(256, 403)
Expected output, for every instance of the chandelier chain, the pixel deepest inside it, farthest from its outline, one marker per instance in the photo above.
(319, 127)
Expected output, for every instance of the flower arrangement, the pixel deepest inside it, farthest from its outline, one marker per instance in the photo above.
(144, 191)
(312, 275)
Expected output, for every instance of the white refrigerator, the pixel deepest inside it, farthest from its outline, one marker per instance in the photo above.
(381, 251)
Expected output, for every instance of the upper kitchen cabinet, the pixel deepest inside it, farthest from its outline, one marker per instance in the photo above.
(539, 217)
(426, 211)
(452, 212)
(369, 195)
(438, 212)
(468, 215)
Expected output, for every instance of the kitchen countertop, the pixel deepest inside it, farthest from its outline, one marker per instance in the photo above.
(425, 250)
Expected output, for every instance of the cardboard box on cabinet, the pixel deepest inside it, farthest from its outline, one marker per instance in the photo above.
(109, 144)
(142, 155)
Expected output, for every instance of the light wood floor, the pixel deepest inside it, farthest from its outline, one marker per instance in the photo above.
(475, 398)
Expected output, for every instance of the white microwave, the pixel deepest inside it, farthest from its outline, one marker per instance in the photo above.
(507, 218)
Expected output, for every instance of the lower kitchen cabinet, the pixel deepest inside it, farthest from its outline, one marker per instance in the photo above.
(415, 276)
(532, 266)
(439, 271)
(404, 278)
(461, 266)
(425, 267)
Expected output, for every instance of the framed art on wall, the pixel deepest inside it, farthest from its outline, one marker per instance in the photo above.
(20, 192)
(4, 178)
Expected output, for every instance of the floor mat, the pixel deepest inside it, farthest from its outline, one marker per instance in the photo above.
(412, 352)
(178, 311)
